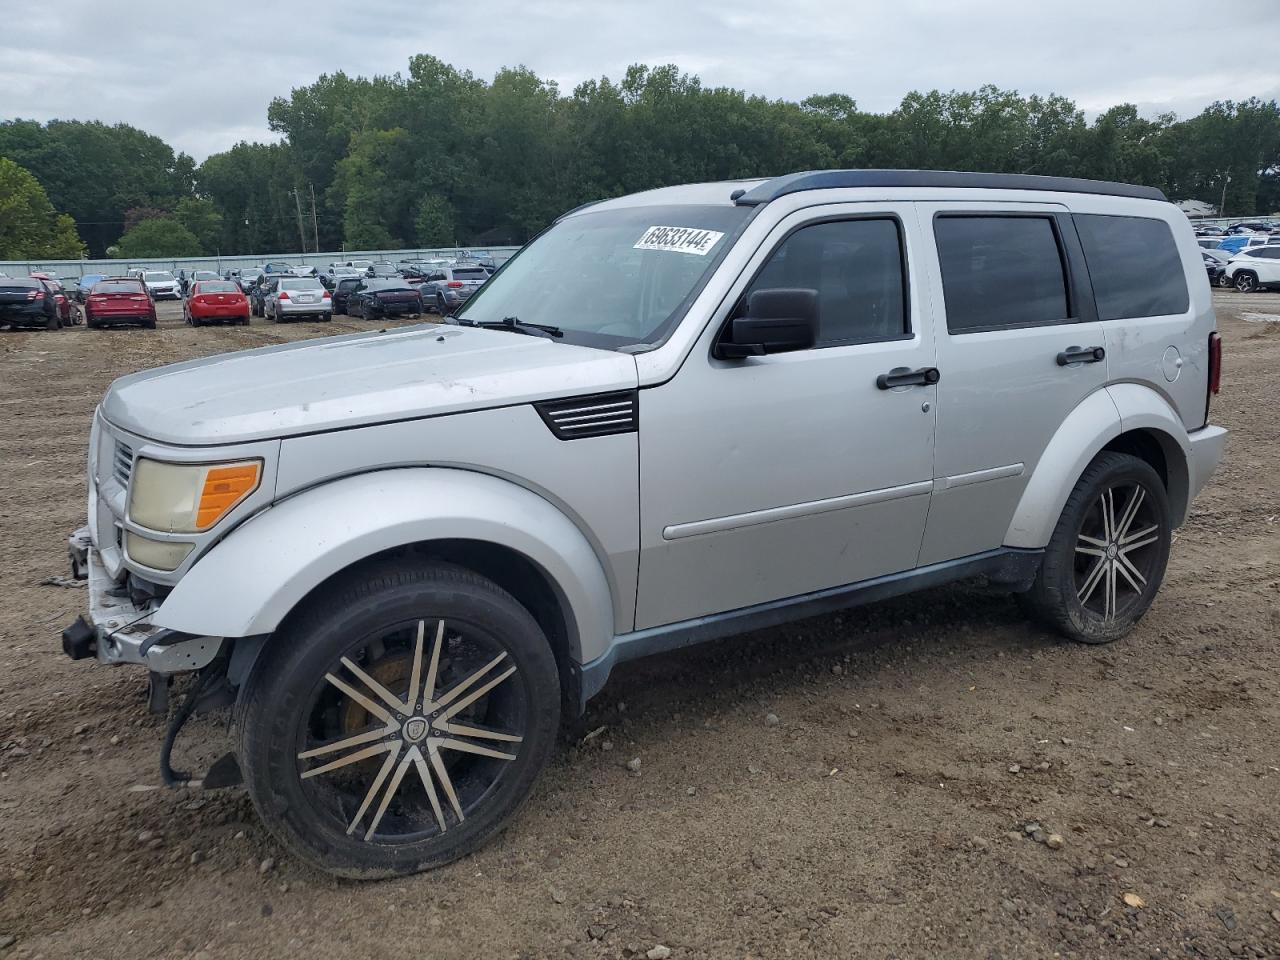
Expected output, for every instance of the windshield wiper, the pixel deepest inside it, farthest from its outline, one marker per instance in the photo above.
(514, 324)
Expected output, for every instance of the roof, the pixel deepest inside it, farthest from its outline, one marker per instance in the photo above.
(833, 179)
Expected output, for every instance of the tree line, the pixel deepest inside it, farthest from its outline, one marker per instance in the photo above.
(438, 157)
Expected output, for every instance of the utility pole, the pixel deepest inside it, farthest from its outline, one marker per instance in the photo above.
(1222, 207)
(315, 223)
(302, 234)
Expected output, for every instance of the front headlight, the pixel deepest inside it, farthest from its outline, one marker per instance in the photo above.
(188, 497)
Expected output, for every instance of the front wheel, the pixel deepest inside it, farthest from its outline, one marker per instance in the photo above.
(400, 722)
(1107, 556)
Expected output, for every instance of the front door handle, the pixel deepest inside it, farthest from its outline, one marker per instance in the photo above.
(1081, 355)
(906, 377)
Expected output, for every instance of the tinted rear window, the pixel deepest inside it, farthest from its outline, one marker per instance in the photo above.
(19, 284)
(117, 286)
(1000, 272)
(476, 273)
(1134, 265)
(386, 285)
(218, 286)
(300, 283)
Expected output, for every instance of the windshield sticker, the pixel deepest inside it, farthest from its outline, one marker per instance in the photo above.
(679, 240)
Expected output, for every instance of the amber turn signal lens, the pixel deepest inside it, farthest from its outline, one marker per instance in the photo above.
(224, 487)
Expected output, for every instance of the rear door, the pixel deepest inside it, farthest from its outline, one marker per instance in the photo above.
(1016, 341)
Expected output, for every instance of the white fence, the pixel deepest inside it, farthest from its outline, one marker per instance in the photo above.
(70, 269)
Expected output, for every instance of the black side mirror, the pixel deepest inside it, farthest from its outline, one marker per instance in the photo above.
(776, 321)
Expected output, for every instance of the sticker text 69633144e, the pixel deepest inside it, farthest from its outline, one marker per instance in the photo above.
(679, 240)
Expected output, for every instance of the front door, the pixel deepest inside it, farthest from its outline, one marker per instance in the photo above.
(1019, 347)
(775, 476)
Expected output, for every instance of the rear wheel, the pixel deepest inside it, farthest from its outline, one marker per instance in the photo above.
(149, 324)
(1246, 282)
(400, 722)
(1106, 559)
(53, 321)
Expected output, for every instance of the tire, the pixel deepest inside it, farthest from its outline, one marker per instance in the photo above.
(1246, 282)
(53, 321)
(440, 305)
(149, 324)
(1082, 572)
(326, 816)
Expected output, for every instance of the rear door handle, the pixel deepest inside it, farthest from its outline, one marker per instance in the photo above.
(1081, 355)
(906, 377)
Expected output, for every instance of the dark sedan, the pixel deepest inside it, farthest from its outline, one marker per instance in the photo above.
(373, 299)
(342, 291)
(28, 302)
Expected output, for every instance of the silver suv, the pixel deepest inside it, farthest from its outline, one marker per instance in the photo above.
(407, 555)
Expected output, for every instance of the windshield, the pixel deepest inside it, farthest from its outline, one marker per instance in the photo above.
(613, 278)
(300, 283)
(157, 276)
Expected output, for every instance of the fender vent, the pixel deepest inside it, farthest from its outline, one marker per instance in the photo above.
(596, 416)
(122, 464)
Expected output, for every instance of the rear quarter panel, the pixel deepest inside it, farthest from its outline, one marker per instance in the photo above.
(1146, 350)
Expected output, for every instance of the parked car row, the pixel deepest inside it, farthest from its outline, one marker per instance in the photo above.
(35, 301)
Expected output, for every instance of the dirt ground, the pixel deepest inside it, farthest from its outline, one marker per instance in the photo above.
(856, 785)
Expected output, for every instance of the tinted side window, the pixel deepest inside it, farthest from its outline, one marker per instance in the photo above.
(857, 268)
(1134, 265)
(1000, 272)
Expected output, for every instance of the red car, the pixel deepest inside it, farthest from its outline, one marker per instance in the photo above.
(119, 300)
(215, 301)
(67, 311)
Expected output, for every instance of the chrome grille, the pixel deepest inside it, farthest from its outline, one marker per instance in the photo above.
(122, 464)
(595, 416)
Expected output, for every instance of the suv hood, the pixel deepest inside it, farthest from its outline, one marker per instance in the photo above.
(348, 381)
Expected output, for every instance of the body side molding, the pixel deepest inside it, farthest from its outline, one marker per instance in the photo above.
(679, 531)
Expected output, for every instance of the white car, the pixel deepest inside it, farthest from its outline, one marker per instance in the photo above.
(161, 284)
(1257, 268)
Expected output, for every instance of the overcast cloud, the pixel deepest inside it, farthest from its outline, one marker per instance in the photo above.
(201, 75)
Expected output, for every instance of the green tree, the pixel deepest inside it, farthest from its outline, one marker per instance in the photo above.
(160, 237)
(95, 172)
(434, 224)
(30, 228)
(203, 220)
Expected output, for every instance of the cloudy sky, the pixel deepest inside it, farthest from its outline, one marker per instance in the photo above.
(200, 75)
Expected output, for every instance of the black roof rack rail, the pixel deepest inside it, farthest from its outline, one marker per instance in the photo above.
(832, 179)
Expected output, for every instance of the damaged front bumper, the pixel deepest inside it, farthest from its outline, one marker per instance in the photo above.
(116, 631)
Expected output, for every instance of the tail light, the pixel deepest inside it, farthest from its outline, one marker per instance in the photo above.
(1215, 372)
(325, 295)
(36, 295)
(284, 295)
(455, 283)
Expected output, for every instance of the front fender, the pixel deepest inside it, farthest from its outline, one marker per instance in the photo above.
(247, 583)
